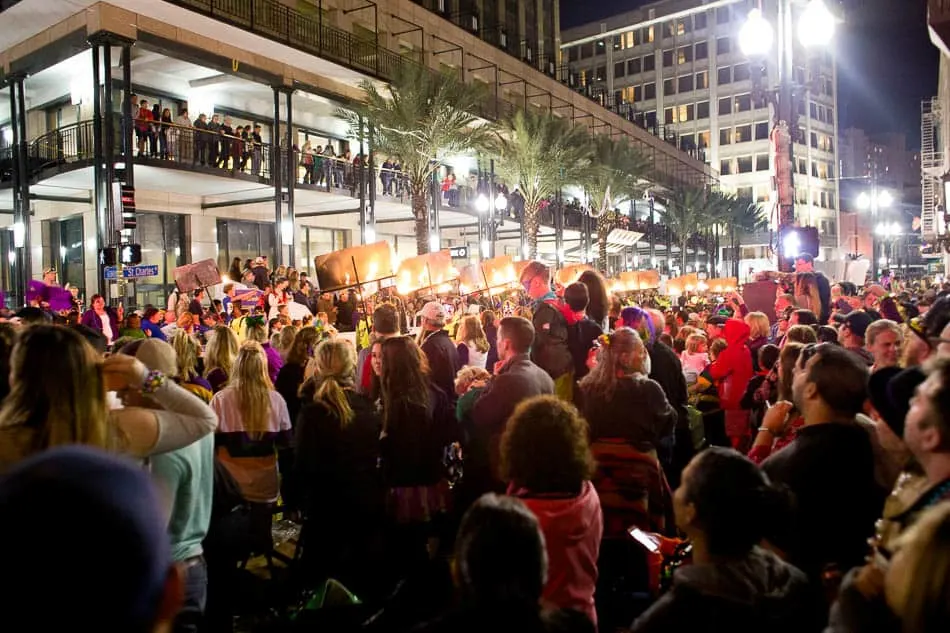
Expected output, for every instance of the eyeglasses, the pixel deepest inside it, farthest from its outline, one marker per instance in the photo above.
(811, 350)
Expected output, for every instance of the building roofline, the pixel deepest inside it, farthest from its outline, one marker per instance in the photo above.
(643, 23)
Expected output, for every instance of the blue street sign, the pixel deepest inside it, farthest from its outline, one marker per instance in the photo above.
(132, 272)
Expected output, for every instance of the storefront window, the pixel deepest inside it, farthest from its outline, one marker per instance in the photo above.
(161, 236)
(246, 240)
(66, 252)
(316, 241)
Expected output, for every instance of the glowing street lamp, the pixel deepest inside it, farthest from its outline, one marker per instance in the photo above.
(756, 35)
(816, 27)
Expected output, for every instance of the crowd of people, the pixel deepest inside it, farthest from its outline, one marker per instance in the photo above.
(549, 459)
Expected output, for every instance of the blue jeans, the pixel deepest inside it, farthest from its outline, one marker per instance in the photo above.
(196, 594)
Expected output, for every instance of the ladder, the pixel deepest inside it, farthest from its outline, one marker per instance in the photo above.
(931, 168)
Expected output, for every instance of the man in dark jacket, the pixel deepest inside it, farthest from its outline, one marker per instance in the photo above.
(582, 331)
(550, 350)
(516, 379)
(439, 349)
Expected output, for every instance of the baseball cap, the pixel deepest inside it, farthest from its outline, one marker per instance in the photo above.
(76, 510)
(891, 389)
(858, 322)
(717, 320)
(433, 311)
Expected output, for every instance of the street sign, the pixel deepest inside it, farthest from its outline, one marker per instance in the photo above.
(132, 272)
(459, 252)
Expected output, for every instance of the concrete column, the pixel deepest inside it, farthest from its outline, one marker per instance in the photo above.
(201, 232)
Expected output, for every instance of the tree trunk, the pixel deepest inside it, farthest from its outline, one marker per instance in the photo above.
(735, 253)
(420, 212)
(683, 255)
(532, 223)
(604, 225)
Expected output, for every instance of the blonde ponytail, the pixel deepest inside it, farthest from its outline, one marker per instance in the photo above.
(335, 371)
(330, 394)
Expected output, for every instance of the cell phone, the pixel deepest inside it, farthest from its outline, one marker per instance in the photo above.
(649, 541)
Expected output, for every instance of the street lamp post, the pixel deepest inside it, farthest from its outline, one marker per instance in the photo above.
(874, 201)
(888, 232)
(816, 28)
(489, 208)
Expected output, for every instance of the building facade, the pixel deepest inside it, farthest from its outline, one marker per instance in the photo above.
(676, 67)
(280, 70)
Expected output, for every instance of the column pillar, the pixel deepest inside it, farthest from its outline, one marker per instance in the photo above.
(292, 162)
(101, 193)
(275, 176)
(128, 124)
(370, 231)
(360, 179)
(21, 190)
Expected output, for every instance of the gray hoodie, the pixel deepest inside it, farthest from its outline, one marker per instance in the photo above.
(758, 593)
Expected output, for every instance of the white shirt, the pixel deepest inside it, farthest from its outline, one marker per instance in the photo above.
(106, 326)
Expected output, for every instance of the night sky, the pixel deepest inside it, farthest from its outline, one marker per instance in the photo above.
(886, 63)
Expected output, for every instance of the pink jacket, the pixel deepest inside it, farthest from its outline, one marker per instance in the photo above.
(572, 530)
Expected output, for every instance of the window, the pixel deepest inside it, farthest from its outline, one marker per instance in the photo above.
(638, 93)
(649, 63)
(649, 91)
(600, 73)
(668, 30)
(587, 50)
(744, 165)
(684, 54)
(725, 167)
(699, 21)
(725, 136)
(573, 54)
(669, 87)
(702, 110)
(703, 139)
(685, 113)
(814, 140)
(651, 118)
(743, 134)
(619, 69)
(725, 105)
(802, 166)
(667, 58)
(702, 50)
(761, 131)
(648, 34)
(685, 83)
(633, 66)
(761, 162)
(722, 15)
(684, 26)
(667, 116)
(745, 192)
(702, 80)
(724, 75)
(813, 110)
(688, 141)
(618, 42)
(743, 103)
(723, 46)
(637, 37)
(740, 72)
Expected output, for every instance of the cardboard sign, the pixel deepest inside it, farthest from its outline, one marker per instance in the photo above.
(347, 267)
(201, 274)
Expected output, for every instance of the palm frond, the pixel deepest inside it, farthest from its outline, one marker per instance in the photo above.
(618, 172)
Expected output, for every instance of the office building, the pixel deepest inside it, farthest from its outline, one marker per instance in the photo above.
(675, 67)
(280, 70)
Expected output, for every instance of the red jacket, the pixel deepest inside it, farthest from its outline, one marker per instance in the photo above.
(572, 529)
(732, 370)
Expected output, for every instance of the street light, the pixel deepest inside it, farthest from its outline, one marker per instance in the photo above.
(875, 200)
(816, 27)
(756, 35)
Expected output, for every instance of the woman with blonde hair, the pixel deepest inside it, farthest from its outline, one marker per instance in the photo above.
(186, 351)
(472, 343)
(291, 375)
(806, 292)
(253, 423)
(335, 466)
(219, 356)
(257, 332)
(58, 396)
(759, 330)
(285, 340)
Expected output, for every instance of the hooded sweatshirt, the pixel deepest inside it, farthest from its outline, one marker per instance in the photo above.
(758, 593)
(733, 367)
(572, 528)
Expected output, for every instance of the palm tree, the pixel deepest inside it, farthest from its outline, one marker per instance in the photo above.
(685, 210)
(538, 152)
(421, 116)
(740, 215)
(617, 173)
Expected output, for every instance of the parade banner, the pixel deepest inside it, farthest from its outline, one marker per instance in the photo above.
(431, 270)
(348, 267)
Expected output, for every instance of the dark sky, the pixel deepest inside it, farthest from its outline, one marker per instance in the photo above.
(886, 63)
